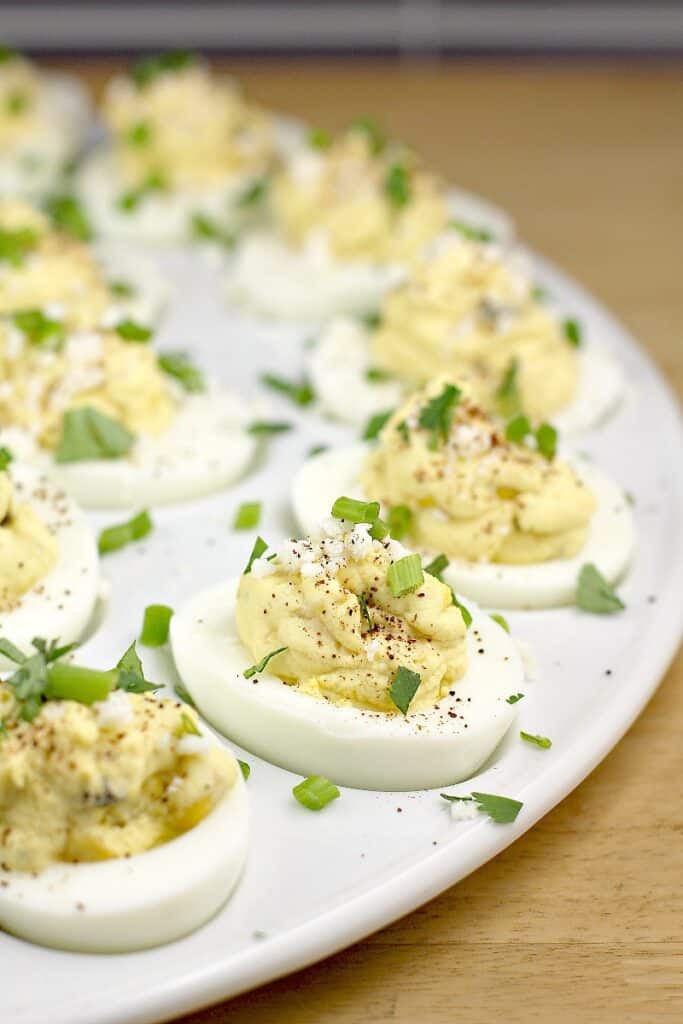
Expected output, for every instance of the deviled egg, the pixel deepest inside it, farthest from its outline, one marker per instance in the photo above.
(349, 217)
(116, 423)
(336, 655)
(125, 824)
(510, 523)
(49, 272)
(49, 572)
(469, 310)
(44, 116)
(186, 154)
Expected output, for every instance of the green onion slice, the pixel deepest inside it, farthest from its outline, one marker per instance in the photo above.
(155, 625)
(355, 511)
(247, 516)
(405, 575)
(89, 434)
(315, 792)
(400, 521)
(114, 537)
(539, 741)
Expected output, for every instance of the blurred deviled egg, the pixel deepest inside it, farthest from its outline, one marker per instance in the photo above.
(125, 824)
(510, 524)
(471, 311)
(49, 573)
(186, 154)
(44, 117)
(337, 655)
(118, 424)
(348, 217)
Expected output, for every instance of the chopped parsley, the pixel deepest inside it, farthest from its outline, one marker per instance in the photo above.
(437, 415)
(244, 768)
(188, 726)
(374, 425)
(404, 686)
(129, 201)
(514, 698)
(594, 594)
(139, 134)
(89, 434)
(209, 230)
(501, 809)
(5, 458)
(129, 330)
(260, 666)
(546, 440)
(253, 194)
(17, 102)
(375, 375)
(319, 138)
(146, 71)
(15, 244)
(179, 366)
(572, 332)
(317, 449)
(38, 329)
(122, 289)
(371, 320)
(68, 216)
(183, 694)
(518, 428)
(397, 186)
(299, 392)
(131, 676)
(364, 610)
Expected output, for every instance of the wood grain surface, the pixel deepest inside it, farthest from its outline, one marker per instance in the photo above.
(581, 920)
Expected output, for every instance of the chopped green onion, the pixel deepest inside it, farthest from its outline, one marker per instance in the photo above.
(144, 72)
(437, 566)
(89, 434)
(260, 666)
(540, 741)
(315, 792)
(437, 415)
(464, 611)
(38, 329)
(244, 768)
(12, 653)
(364, 610)
(248, 515)
(139, 133)
(209, 230)
(513, 698)
(121, 289)
(85, 685)
(379, 529)
(355, 511)
(5, 458)
(253, 194)
(188, 725)
(301, 393)
(405, 575)
(319, 138)
(375, 423)
(397, 186)
(502, 621)
(400, 521)
(129, 201)
(371, 320)
(372, 132)
(472, 233)
(15, 244)
(179, 366)
(594, 593)
(572, 332)
(404, 686)
(130, 331)
(155, 625)
(546, 439)
(507, 395)
(259, 548)
(404, 431)
(317, 449)
(517, 428)
(115, 537)
(501, 809)
(375, 375)
(266, 428)
(68, 216)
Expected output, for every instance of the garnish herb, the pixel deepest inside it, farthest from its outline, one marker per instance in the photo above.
(539, 741)
(260, 666)
(131, 674)
(38, 329)
(436, 566)
(546, 439)
(121, 289)
(146, 71)
(514, 698)
(155, 625)
(397, 186)
(260, 547)
(379, 529)
(470, 232)
(539, 293)
(501, 809)
(253, 194)
(265, 428)
(115, 537)
(437, 415)
(129, 201)
(375, 375)
(129, 330)
(89, 434)
(502, 621)
(15, 244)
(404, 431)
(5, 458)
(399, 520)
(16, 103)
(319, 138)
(464, 611)
(205, 228)
(183, 694)
(244, 768)
(404, 686)
(594, 593)
(68, 216)
(572, 332)
(301, 393)
(375, 423)
(247, 516)
(355, 511)
(139, 133)
(315, 792)
(517, 429)
(179, 366)
(317, 449)
(371, 320)
(405, 575)
(188, 726)
(507, 394)
(364, 610)
(372, 131)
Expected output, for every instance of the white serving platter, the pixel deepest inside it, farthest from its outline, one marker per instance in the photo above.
(317, 882)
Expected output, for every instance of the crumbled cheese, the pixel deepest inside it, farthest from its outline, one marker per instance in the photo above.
(115, 711)
(464, 810)
(372, 648)
(261, 567)
(192, 746)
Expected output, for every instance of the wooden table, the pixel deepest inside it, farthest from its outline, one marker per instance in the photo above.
(581, 920)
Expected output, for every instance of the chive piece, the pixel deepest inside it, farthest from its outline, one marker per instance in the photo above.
(244, 768)
(405, 575)
(89, 434)
(375, 423)
(464, 611)
(404, 686)
(183, 694)
(400, 521)
(315, 792)
(507, 395)
(38, 329)
(375, 375)
(260, 666)
(404, 431)
(371, 320)
(131, 676)
(437, 566)
(15, 244)
(317, 449)
(470, 232)
(514, 698)
(517, 428)
(594, 593)
(179, 366)
(319, 138)
(139, 134)
(5, 458)
(437, 415)
(397, 186)
(121, 289)
(188, 726)
(373, 133)
(130, 331)
(540, 741)
(501, 620)
(266, 428)
(247, 516)
(68, 216)
(129, 201)
(301, 393)
(546, 439)
(259, 548)
(379, 529)
(253, 194)
(572, 332)
(501, 809)
(364, 610)
(115, 537)
(355, 511)
(205, 228)
(144, 72)
(85, 685)
(155, 625)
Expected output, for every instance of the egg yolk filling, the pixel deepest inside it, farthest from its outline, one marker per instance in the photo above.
(186, 127)
(113, 779)
(471, 493)
(40, 379)
(28, 551)
(377, 206)
(470, 314)
(327, 601)
(19, 94)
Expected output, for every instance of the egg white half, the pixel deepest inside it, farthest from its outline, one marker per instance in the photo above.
(352, 747)
(61, 605)
(339, 363)
(121, 905)
(150, 288)
(609, 545)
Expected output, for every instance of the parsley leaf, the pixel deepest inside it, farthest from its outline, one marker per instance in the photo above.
(38, 329)
(594, 593)
(397, 186)
(131, 676)
(437, 415)
(144, 72)
(15, 244)
(501, 809)
(404, 686)
(373, 427)
(68, 216)
(89, 434)
(572, 332)
(300, 392)
(179, 366)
